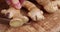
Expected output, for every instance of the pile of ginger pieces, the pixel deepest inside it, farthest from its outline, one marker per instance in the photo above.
(34, 13)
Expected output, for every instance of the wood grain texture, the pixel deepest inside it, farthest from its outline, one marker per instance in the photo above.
(3, 28)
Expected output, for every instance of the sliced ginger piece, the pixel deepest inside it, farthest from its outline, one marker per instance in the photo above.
(16, 22)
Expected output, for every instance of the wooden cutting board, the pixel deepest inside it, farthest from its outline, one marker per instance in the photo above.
(51, 23)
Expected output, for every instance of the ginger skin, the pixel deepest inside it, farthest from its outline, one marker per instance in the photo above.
(34, 12)
(18, 18)
(49, 5)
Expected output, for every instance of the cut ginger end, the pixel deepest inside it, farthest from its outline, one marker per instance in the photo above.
(16, 22)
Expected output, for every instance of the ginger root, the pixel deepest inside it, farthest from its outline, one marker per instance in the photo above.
(18, 18)
(34, 12)
(49, 6)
